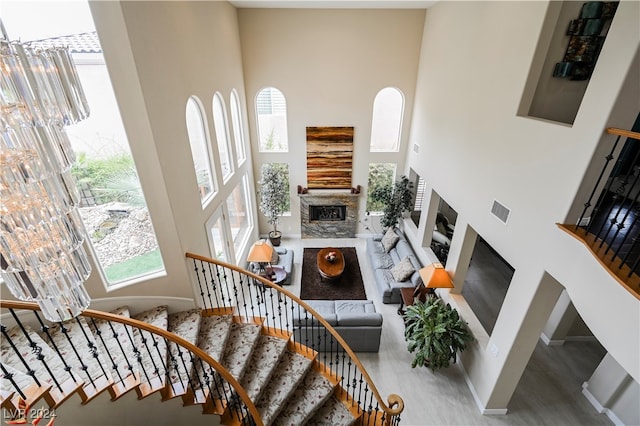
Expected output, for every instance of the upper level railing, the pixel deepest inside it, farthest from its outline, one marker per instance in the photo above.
(609, 224)
(99, 351)
(223, 285)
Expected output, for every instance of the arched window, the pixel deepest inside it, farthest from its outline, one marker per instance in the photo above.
(236, 122)
(271, 110)
(199, 141)
(222, 136)
(386, 123)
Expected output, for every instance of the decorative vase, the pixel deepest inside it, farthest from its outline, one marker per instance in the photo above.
(331, 256)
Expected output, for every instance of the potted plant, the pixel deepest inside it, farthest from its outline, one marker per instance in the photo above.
(435, 331)
(396, 198)
(274, 196)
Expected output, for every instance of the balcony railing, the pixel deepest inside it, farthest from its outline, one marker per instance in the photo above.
(610, 221)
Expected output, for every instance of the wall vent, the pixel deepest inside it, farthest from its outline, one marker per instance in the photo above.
(500, 211)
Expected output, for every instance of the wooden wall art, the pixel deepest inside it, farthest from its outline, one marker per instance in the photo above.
(329, 157)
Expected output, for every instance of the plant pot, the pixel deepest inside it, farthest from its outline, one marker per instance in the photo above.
(274, 237)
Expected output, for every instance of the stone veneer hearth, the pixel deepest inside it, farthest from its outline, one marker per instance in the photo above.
(329, 228)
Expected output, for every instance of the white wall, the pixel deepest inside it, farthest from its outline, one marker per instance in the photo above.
(329, 64)
(474, 64)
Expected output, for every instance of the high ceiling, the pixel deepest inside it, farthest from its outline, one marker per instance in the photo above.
(334, 4)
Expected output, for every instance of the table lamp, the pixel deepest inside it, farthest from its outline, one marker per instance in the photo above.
(435, 276)
(261, 253)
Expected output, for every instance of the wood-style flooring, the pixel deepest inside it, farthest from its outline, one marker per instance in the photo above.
(549, 391)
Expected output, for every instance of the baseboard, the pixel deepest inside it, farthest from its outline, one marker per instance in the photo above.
(599, 408)
(581, 339)
(592, 399)
(483, 410)
(550, 342)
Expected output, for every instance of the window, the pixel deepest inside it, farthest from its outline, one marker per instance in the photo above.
(112, 204)
(268, 169)
(386, 123)
(380, 174)
(271, 110)
(236, 122)
(196, 129)
(419, 186)
(217, 236)
(222, 136)
(239, 217)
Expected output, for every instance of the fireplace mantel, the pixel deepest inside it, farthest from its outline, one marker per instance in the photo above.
(326, 228)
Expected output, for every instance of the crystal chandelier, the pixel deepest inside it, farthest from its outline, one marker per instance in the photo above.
(41, 232)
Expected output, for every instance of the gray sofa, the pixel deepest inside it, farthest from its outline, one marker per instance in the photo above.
(285, 259)
(382, 263)
(356, 321)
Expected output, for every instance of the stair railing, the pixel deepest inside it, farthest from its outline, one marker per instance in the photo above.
(86, 356)
(609, 224)
(224, 286)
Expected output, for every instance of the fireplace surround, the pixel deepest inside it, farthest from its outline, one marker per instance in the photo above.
(331, 215)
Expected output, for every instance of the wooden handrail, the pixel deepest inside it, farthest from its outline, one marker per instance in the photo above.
(624, 133)
(242, 393)
(395, 403)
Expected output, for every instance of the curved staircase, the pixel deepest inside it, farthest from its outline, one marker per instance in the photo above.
(237, 355)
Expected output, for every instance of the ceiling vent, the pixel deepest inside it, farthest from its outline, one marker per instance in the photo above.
(500, 211)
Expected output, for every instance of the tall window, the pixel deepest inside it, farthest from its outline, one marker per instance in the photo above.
(112, 206)
(271, 110)
(380, 174)
(386, 123)
(236, 122)
(218, 236)
(238, 213)
(197, 131)
(222, 136)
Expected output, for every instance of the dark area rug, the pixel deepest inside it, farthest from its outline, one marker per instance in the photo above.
(348, 286)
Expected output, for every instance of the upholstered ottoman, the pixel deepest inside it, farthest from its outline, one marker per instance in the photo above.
(356, 321)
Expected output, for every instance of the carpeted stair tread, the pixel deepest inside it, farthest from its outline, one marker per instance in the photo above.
(114, 342)
(289, 372)
(52, 360)
(92, 363)
(332, 413)
(240, 343)
(21, 379)
(264, 359)
(308, 397)
(185, 324)
(154, 352)
(214, 331)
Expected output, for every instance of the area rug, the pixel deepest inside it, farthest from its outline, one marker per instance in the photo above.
(348, 286)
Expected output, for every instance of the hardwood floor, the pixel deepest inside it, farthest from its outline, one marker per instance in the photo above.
(549, 392)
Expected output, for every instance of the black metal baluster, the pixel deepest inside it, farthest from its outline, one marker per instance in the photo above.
(92, 347)
(9, 376)
(45, 330)
(204, 301)
(212, 286)
(37, 350)
(114, 365)
(65, 331)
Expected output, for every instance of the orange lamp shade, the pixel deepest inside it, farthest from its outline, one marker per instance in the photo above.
(260, 252)
(435, 276)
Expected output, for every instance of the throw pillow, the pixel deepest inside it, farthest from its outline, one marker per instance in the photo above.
(403, 270)
(389, 240)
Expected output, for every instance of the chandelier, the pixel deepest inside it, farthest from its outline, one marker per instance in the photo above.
(41, 232)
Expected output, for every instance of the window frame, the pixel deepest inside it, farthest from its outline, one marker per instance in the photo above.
(206, 199)
(377, 126)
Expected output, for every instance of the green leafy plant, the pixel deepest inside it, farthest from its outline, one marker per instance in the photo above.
(435, 332)
(274, 194)
(397, 198)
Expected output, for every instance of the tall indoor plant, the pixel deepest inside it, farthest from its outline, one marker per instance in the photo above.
(274, 196)
(396, 197)
(435, 331)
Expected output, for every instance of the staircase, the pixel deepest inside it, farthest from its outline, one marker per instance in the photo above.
(241, 360)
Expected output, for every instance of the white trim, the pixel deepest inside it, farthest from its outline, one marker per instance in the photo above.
(483, 410)
(592, 399)
(550, 342)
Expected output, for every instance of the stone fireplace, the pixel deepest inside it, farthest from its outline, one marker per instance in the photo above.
(329, 215)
